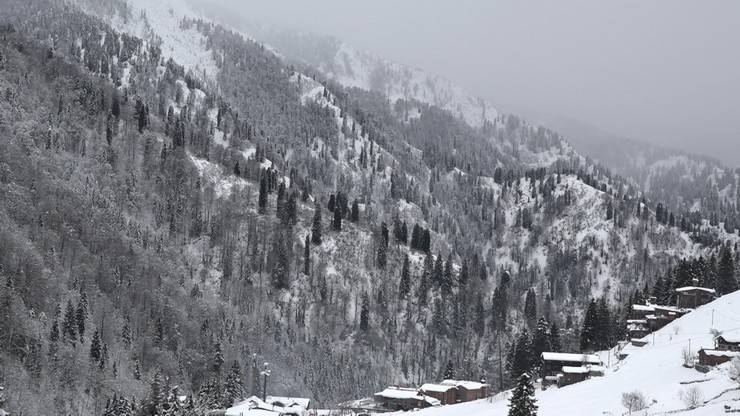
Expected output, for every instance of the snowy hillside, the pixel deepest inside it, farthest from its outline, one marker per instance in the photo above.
(354, 68)
(655, 370)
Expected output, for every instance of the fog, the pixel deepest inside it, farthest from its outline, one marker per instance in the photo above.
(663, 71)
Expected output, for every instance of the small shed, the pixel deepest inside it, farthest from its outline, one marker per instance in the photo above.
(716, 357)
(693, 296)
(727, 342)
(572, 375)
(445, 393)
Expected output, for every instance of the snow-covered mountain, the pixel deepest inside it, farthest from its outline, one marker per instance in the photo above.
(655, 370)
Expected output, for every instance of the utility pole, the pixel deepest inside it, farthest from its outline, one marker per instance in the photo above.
(265, 374)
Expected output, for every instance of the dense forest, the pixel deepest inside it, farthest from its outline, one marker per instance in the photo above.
(164, 231)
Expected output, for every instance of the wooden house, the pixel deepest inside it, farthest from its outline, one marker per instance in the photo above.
(642, 311)
(553, 362)
(468, 390)
(693, 296)
(445, 393)
(716, 357)
(402, 398)
(637, 328)
(571, 375)
(727, 343)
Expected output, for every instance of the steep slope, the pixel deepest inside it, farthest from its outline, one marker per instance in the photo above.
(655, 370)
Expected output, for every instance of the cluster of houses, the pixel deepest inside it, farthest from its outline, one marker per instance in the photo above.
(650, 317)
(430, 394)
(562, 369)
(271, 406)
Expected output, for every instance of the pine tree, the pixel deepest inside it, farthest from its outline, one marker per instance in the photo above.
(541, 339)
(555, 345)
(726, 281)
(307, 256)
(69, 324)
(337, 223)
(262, 201)
(588, 332)
(522, 401)
(530, 306)
(95, 347)
(480, 317)
(365, 314)
(137, 370)
(449, 371)
(80, 316)
(405, 286)
(316, 227)
(355, 217)
(233, 386)
(218, 358)
(522, 358)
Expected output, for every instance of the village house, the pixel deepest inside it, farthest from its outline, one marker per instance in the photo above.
(291, 403)
(693, 296)
(445, 393)
(716, 357)
(468, 390)
(553, 362)
(727, 343)
(254, 406)
(570, 375)
(637, 328)
(663, 315)
(640, 312)
(402, 398)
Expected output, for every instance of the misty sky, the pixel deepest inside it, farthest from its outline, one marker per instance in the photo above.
(665, 71)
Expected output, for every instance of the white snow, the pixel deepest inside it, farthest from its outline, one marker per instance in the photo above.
(574, 358)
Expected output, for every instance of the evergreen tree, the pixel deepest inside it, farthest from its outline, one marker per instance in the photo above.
(523, 402)
(307, 256)
(337, 223)
(382, 255)
(541, 339)
(316, 227)
(95, 348)
(233, 387)
(588, 332)
(262, 200)
(218, 357)
(355, 212)
(449, 373)
(530, 306)
(555, 345)
(522, 358)
(365, 314)
(405, 286)
(726, 281)
(69, 331)
(480, 317)
(80, 316)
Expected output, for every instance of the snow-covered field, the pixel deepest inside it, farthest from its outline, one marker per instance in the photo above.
(655, 370)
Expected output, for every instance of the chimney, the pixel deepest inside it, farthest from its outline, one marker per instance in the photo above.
(695, 282)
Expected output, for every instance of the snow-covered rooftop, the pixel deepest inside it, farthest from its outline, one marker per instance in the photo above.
(437, 388)
(575, 370)
(301, 402)
(721, 353)
(469, 385)
(690, 288)
(574, 358)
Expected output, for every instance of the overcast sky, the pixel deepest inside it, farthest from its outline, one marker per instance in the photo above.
(665, 71)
